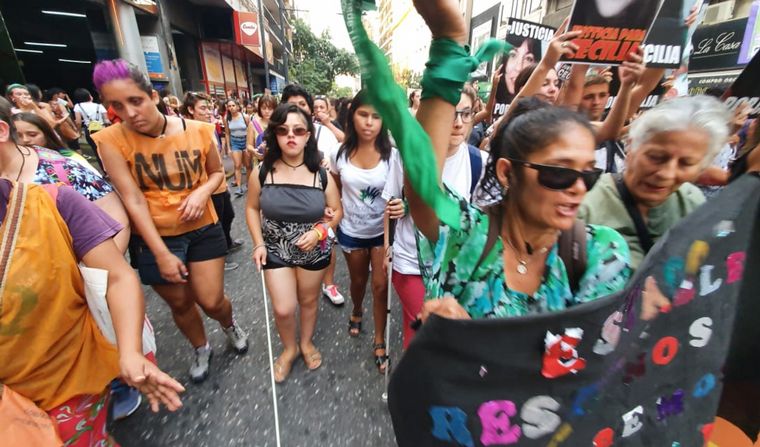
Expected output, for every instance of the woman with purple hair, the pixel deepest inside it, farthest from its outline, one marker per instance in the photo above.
(166, 169)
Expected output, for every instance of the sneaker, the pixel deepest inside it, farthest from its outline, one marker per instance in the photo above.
(229, 266)
(236, 245)
(237, 337)
(331, 293)
(199, 368)
(239, 193)
(125, 400)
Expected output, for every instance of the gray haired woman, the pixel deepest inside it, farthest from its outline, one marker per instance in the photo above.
(668, 147)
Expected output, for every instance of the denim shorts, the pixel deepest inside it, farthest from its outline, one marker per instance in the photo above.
(199, 245)
(350, 243)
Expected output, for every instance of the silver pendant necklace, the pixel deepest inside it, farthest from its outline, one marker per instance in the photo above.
(522, 264)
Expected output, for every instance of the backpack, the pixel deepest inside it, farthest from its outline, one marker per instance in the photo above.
(263, 171)
(476, 166)
(94, 124)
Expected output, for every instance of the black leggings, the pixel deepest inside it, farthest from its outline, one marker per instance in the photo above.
(93, 146)
(225, 212)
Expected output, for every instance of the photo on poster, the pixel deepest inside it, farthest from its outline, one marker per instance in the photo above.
(529, 41)
(611, 29)
(665, 44)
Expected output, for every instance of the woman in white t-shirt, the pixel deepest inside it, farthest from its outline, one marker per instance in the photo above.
(462, 171)
(361, 167)
(86, 111)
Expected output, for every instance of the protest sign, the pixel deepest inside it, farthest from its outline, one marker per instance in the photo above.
(664, 46)
(594, 374)
(529, 41)
(746, 88)
(610, 29)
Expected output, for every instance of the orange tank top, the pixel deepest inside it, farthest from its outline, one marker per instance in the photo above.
(50, 346)
(166, 169)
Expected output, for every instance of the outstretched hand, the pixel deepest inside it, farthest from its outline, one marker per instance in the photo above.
(156, 385)
(444, 19)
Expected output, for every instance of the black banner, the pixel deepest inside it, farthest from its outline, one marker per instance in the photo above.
(528, 40)
(746, 88)
(667, 39)
(717, 47)
(595, 374)
(611, 29)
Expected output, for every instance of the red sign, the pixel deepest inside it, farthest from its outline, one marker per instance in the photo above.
(246, 28)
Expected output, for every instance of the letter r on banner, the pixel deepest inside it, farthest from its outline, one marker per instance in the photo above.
(450, 424)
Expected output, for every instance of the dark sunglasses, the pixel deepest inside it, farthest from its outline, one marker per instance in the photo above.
(282, 131)
(559, 178)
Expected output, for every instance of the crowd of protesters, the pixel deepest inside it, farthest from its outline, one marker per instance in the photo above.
(319, 176)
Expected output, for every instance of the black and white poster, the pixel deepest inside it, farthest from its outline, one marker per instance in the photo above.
(529, 41)
(666, 42)
(610, 29)
(596, 374)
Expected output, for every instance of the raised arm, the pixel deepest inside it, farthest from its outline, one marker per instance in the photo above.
(487, 113)
(574, 87)
(630, 72)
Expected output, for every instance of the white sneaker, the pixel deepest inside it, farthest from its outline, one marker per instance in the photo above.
(199, 368)
(237, 338)
(331, 293)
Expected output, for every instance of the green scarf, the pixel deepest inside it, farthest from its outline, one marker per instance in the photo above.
(448, 68)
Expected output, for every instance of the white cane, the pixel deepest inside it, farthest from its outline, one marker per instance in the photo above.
(388, 242)
(271, 361)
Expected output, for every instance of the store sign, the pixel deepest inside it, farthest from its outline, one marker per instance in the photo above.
(152, 57)
(700, 83)
(717, 47)
(246, 28)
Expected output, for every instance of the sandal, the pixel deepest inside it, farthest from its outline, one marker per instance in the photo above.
(313, 359)
(381, 361)
(282, 368)
(355, 327)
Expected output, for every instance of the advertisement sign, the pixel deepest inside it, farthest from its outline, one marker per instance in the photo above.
(152, 57)
(699, 83)
(611, 29)
(246, 28)
(717, 47)
(212, 61)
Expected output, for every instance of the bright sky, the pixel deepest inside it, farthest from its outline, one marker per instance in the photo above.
(325, 15)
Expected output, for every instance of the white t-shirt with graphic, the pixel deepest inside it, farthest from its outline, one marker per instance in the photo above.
(363, 206)
(91, 111)
(457, 175)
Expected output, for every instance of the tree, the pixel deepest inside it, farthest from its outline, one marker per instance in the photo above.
(317, 61)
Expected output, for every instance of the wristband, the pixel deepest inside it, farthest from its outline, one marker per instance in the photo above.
(259, 246)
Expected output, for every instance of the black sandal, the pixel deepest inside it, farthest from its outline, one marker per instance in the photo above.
(381, 361)
(355, 327)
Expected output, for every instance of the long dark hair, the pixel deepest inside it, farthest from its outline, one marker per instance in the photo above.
(229, 114)
(531, 126)
(311, 155)
(351, 144)
(52, 140)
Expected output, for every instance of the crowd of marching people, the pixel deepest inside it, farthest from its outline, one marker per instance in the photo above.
(318, 176)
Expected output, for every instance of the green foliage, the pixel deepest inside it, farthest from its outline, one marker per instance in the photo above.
(316, 61)
(341, 92)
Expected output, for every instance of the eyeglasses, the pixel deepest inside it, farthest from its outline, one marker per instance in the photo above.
(282, 131)
(465, 115)
(559, 178)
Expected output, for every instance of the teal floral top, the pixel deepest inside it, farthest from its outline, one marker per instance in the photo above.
(483, 292)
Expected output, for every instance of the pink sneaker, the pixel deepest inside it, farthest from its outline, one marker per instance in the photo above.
(331, 293)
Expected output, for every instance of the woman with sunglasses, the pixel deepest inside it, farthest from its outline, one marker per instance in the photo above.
(503, 261)
(667, 148)
(285, 212)
(361, 167)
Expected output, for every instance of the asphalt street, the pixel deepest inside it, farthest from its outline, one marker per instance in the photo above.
(337, 405)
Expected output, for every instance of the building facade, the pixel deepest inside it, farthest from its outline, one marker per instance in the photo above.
(184, 45)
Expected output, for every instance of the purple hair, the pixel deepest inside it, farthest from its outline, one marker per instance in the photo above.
(116, 69)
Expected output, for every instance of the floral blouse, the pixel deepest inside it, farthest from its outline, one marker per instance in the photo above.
(484, 293)
(55, 168)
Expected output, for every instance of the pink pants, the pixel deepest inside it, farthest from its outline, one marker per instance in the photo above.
(411, 291)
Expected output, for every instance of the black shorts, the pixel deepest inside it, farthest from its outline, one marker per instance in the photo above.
(199, 245)
(274, 262)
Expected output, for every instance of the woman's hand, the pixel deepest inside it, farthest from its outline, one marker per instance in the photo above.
(156, 385)
(396, 208)
(308, 241)
(329, 215)
(653, 301)
(631, 70)
(194, 206)
(560, 45)
(260, 256)
(444, 19)
(172, 268)
(741, 114)
(323, 118)
(445, 307)
(496, 78)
